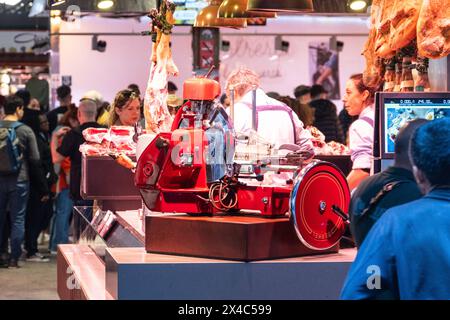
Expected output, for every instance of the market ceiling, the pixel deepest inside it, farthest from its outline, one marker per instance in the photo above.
(16, 17)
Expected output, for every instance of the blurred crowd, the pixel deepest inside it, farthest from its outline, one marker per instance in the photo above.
(40, 166)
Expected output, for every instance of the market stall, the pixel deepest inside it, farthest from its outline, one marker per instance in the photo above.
(169, 218)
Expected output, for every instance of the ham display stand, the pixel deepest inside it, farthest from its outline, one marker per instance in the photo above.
(239, 237)
(176, 256)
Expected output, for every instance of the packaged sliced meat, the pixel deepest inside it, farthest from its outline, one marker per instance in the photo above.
(121, 131)
(126, 148)
(95, 135)
(98, 216)
(103, 221)
(116, 139)
(121, 140)
(93, 149)
(108, 224)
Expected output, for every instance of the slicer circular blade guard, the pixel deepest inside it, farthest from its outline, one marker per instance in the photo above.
(317, 188)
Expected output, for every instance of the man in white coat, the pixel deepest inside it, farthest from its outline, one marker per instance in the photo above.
(276, 123)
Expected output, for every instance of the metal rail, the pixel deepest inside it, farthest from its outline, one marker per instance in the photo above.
(222, 34)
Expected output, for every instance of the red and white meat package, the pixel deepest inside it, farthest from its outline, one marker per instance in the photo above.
(101, 141)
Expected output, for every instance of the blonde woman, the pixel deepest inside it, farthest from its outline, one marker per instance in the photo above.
(126, 109)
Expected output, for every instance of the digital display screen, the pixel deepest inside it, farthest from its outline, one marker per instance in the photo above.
(398, 111)
(186, 11)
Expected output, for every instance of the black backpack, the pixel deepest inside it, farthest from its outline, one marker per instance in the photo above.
(11, 156)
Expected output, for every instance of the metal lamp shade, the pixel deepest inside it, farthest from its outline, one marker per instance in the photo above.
(236, 23)
(238, 9)
(281, 6)
(208, 17)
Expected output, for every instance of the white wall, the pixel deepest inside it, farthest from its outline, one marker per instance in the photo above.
(282, 72)
(126, 59)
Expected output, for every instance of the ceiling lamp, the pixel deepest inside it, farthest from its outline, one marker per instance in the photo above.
(105, 4)
(281, 6)
(54, 3)
(236, 23)
(208, 17)
(55, 17)
(10, 2)
(357, 5)
(238, 9)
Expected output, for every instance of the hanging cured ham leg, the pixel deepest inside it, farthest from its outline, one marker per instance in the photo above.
(382, 48)
(405, 15)
(372, 72)
(433, 29)
(171, 67)
(157, 116)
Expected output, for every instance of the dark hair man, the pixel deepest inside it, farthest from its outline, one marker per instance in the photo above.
(64, 94)
(326, 120)
(406, 255)
(15, 186)
(318, 92)
(171, 87)
(303, 94)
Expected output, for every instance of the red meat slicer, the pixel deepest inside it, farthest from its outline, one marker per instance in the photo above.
(191, 170)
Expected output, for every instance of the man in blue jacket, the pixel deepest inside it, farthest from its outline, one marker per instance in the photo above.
(406, 255)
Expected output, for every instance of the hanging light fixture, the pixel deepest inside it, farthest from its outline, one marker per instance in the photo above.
(357, 5)
(238, 9)
(10, 2)
(281, 6)
(105, 4)
(236, 23)
(55, 17)
(208, 17)
(54, 3)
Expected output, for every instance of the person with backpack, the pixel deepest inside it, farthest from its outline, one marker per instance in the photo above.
(18, 148)
(406, 254)
(389, 188)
